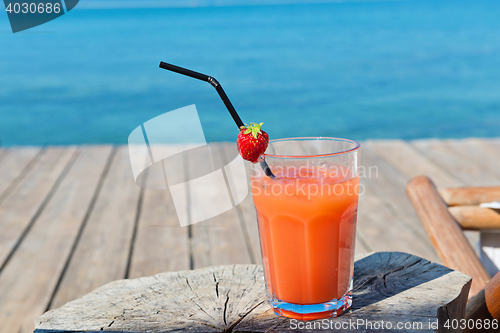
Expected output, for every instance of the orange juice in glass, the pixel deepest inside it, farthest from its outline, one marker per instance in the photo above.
(307, 224)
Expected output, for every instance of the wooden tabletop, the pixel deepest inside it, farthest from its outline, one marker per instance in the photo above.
(72, 219)
(393, 291)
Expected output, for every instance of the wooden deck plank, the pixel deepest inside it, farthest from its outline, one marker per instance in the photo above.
(492, 144)
(199, 238)
(246, 209)
(14, 164)
(382, 230)
(102, 252)
(27, 282)
(361, 246)
(492, 152)
(249, 217)
(390, 186)
(410, 162)
(470, 171)
(374, 219)
(481, 155)
(161, 244)
(219, 240)
(20, 208)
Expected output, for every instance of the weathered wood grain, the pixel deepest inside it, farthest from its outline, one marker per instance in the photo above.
(15, 164)
(465, 160)
(382, 229)
(492, 150)
(463, 163)
(246, 209)
(481, 157)
(389, 187)
(27, 282)
(219, 240)
(445, 233)
(361, 247)
(480, 154)
(102, 252)
(161, 244)
(393, 287)
(20, 208)
(410, 162)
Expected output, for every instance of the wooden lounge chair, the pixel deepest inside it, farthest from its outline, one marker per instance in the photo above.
(444, 225)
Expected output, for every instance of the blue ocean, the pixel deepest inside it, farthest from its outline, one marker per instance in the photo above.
(377, 69)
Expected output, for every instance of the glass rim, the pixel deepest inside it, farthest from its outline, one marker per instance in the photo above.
(325, 138)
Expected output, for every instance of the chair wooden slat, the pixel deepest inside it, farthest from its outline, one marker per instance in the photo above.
(469, 195)
(475, 217)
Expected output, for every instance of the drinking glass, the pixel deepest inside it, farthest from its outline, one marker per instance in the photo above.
(307, 224)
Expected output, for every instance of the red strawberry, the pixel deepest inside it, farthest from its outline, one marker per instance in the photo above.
(252, 142)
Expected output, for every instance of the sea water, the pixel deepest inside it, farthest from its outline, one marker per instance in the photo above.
(378, 69)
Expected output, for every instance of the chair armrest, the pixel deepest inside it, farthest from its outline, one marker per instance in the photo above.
(445, 233)
(475, 217)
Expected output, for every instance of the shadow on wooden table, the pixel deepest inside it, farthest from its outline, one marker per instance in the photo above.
(378, 276)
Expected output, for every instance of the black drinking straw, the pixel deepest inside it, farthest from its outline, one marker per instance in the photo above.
(222, 95)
